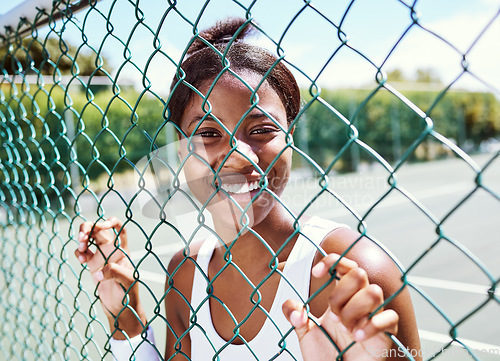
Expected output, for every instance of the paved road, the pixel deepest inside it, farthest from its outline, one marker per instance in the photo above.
(448, 274)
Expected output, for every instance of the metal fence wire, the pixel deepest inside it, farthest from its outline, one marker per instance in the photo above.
(86, 134)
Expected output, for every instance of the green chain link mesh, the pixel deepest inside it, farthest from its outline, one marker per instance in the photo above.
(75, 124)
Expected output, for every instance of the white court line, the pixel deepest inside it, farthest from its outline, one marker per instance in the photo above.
(442, 190)
(429, 193)
(475, 345)
(449, 285)
(420, 281)
(401, 199)
(417, 280)
(424, 334)
(152, 277)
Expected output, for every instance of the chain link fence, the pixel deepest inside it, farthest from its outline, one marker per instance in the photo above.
(84, 104)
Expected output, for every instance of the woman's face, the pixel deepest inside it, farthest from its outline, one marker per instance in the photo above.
(225, 173)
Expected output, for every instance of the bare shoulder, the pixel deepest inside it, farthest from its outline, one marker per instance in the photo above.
(181, 268)
(178, 287)
(382, 270)
(370, 255)
(179, 283)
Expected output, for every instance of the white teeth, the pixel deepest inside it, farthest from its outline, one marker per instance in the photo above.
(239, 188)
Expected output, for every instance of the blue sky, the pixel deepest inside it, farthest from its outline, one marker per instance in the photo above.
(372, 27)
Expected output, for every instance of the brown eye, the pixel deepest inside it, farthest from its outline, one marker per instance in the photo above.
(264, 130)
(207, 134)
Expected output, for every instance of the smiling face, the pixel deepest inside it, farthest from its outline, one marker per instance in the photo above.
(235, 147)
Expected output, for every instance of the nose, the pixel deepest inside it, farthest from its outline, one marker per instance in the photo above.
(240, 157)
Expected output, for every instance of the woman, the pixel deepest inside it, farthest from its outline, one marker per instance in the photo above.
(237, 295)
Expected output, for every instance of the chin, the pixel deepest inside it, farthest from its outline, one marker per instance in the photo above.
(237, 217)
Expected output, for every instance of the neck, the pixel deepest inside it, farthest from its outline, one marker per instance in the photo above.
(275, 229)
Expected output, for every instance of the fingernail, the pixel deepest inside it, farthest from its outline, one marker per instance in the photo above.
(81, 259)
(359, 335)
(80, 236)
(81, 246)
(296, 318)
(99, 276)
(318, 269)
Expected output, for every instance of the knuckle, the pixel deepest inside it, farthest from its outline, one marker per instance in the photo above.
(84, 226)
(110, 270)
(376, 293)
(115, 221)
(349, 262)
(393, 315)
(359, 275)
(332, 258)
(386, 321)
(333, 301)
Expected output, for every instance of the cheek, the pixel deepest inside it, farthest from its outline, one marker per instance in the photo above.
(201, 155)
(279, 174)
(284, 166)
(198, 176)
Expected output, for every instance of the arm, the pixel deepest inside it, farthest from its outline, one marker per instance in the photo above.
(364, 284)
(383, 271)
(112, 271)
(178, 294)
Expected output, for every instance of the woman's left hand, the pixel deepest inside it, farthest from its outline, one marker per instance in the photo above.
(351, 302)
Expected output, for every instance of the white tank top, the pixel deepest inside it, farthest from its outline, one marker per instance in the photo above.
(276, 340)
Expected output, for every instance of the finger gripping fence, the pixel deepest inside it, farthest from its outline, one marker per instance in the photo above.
(87, 135)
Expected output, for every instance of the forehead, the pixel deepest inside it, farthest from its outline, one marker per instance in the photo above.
(234, 88)
(242, 82)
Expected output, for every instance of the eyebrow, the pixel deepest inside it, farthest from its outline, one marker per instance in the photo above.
(197, 119)
(260, 114)
(254, 114)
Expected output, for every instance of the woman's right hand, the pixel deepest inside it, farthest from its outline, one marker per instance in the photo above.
(113, 273)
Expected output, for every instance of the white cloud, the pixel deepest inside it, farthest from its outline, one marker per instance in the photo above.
(420, 49)
(424, 50)
(159, 69)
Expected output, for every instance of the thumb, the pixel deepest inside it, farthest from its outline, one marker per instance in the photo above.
(116, 272)
(296, 314)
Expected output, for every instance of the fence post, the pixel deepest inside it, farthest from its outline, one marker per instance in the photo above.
(70, 133)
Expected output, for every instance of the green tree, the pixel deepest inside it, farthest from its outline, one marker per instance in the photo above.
(31, 56)
(427, 76)
(389, 127)
(396, 75)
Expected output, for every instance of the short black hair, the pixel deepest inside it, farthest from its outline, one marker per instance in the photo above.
(203, 64)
